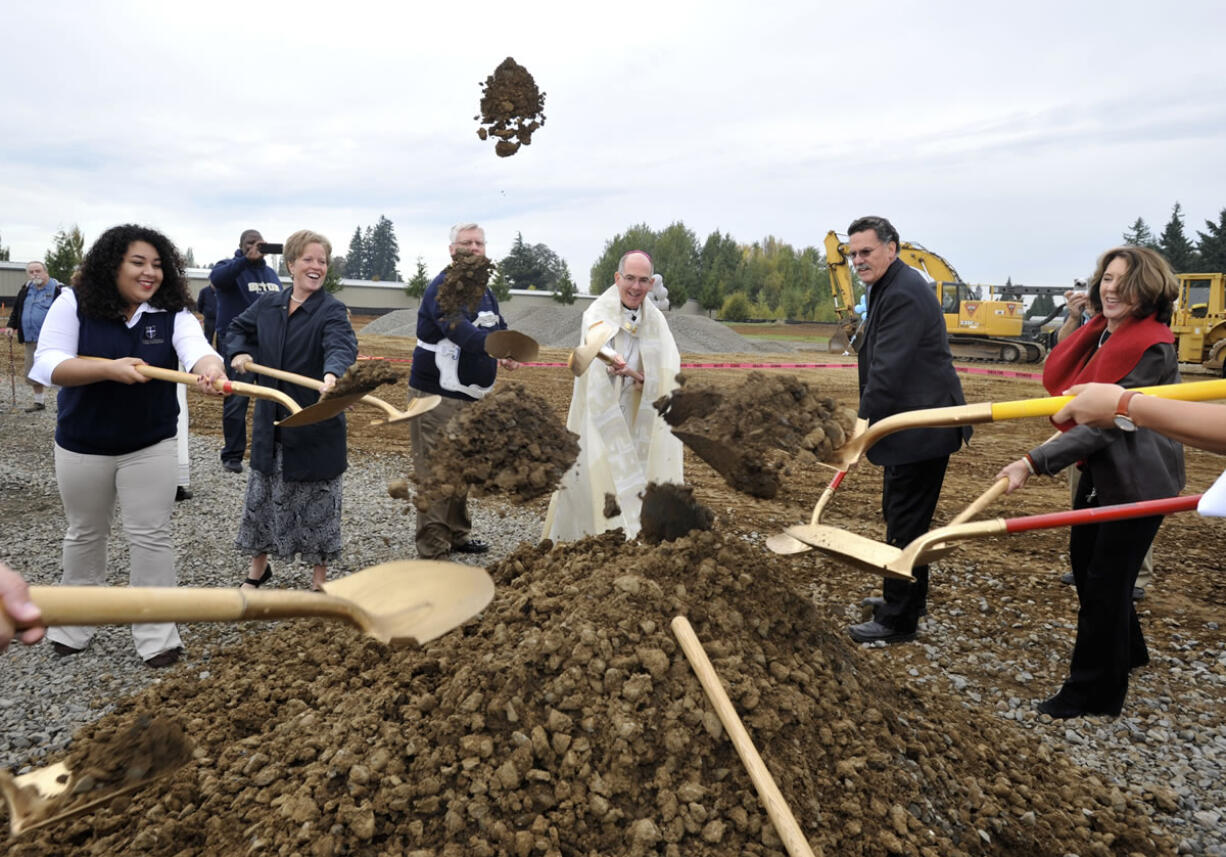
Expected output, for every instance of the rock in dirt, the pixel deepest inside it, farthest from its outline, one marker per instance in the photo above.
(566, 720)
(510, 442)
(611, 509)
(670, 512)
(512, 108)
(363, 377)
(464, 283)
(749, 433)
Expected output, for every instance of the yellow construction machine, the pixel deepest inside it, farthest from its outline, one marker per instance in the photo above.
(1199, 322)
(979, 329)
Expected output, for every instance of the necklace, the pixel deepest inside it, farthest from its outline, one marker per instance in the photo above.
(295, 300)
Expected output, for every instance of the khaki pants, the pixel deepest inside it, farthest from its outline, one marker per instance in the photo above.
(31, 347)
(1146, 575)
(144, 484)
(445, 522)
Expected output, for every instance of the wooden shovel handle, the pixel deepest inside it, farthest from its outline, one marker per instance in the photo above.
(982, 501)
(222, 385)
(122, 605)
(768, 792)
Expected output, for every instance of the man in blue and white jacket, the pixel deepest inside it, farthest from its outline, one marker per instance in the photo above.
(239, 282)
(450, 361)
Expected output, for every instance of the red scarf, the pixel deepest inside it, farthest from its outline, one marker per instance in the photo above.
(1079, 360)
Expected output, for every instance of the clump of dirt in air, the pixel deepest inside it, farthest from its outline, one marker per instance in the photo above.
(751, 432)
(512, 108)
(510, 442)
(464, 283)
(611, 509)
(363, 377)
(566, 720)
(670, 512)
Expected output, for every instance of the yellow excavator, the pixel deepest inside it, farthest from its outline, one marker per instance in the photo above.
(978, 329)
(1199, 322)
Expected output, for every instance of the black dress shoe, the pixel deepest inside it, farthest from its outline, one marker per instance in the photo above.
(63, 650)
(165, 659)
(873, 631)
(182, 493)
(1057, 709)
(37, 406)
(471, 546)
(233, 466)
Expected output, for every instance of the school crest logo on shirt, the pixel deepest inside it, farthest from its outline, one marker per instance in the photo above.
(151, 335)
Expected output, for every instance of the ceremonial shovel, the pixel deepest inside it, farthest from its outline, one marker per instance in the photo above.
(417, 407)
(511, 345)
(850, 453)
(403, 603)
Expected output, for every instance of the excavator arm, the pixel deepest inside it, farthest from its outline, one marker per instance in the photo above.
(842, 289)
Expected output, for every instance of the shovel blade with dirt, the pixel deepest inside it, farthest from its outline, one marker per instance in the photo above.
(403, 603)
(416, 407)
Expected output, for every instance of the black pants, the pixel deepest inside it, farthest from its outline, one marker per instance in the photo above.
(1105, 558)
(234, 417)
(909, 494)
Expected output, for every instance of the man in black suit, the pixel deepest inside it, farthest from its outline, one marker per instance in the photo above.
(904, 365)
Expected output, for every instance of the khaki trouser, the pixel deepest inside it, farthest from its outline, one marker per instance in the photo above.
(445, 522)
(144, 484)
(1145, 576)
(31, 347)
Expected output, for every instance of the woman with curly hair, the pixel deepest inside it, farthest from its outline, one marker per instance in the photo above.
(293, 503)
(1128, 342)
(115, 431)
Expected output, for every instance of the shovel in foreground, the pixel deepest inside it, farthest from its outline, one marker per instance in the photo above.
(868, 555)
(416, 408)
(511, 345)
(403, 603)
(595, 346)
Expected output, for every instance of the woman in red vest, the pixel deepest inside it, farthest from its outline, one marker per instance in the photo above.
(1129, 343)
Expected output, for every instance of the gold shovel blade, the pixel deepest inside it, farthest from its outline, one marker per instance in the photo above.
(856, 550)
(512, 345)
(325, 409)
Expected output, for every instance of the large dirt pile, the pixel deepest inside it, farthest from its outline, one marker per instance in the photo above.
(512, 108)
(508, 443)
(565, 720)
(750, 433)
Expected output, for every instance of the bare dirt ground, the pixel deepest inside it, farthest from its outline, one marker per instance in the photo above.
(566, 722)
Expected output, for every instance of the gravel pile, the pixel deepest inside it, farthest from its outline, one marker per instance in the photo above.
(558, 327)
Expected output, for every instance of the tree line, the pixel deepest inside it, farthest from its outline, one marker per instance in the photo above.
(1205, 255)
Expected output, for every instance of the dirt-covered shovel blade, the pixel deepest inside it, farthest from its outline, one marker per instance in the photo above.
(403, 603)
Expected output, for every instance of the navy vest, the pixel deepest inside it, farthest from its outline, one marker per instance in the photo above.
(109, 418)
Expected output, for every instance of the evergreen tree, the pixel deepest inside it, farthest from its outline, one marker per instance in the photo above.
(332, 279)
(189, 258)
(500, 285)
(416, 286)
(66, 253)
(384, 252)
(564, 289)
(712, 295)
(531, 266)
(1212, 245)
(368, 240)
(1139, 235)
(355, 260)
(1175, 246)
(1042, 305)
(4, 252)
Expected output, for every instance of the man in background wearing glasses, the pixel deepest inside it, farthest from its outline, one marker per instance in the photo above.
(623, 442)
(904, 365)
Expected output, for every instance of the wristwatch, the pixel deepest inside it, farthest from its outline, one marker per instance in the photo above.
(1123, 422)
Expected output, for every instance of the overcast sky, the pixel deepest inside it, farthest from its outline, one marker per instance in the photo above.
(1015, 139)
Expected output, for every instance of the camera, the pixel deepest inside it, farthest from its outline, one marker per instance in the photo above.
(270, 249)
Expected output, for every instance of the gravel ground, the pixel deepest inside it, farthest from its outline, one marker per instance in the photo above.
(1169, 748)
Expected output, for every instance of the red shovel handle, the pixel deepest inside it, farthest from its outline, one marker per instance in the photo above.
(1094, 515)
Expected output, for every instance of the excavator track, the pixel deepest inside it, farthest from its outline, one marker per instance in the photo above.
(989, 350)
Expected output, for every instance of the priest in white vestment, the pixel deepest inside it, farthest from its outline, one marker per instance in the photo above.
(623, 442)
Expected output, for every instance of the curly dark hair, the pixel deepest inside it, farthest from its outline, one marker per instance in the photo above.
(98, 295)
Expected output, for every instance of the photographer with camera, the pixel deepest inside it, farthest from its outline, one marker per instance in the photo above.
(239, 281)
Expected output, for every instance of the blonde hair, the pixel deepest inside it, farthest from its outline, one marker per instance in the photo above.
(1149, 284)
(296, 243)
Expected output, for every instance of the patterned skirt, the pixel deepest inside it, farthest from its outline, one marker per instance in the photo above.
(283, 518)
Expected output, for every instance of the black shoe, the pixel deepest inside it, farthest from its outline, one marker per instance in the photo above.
(471, 546)
(264, 578)
(1138, 594)
(1057, 709)
(37, 406)
(873, 631)
(233, 466)
(182, 493)
(874, 601)
(62, 650)
(1067, 578)
(165, 659)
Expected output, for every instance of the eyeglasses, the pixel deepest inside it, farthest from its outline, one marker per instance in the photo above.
(642, 281)
(862, 254)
